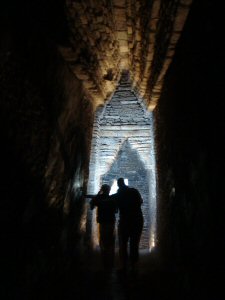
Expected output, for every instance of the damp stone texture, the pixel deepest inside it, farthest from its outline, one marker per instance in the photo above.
(108, 37)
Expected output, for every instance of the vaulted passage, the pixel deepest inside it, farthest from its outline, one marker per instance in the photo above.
(123, 146)
(94, 90)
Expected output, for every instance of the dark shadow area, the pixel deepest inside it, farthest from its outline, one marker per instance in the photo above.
(41, 158)
(46, 125)
(190, 133)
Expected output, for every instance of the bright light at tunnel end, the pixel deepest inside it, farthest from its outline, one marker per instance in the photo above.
(152, 242)
(114, 186)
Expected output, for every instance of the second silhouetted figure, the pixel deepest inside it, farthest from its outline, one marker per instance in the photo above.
(130, 224)
(106, 219)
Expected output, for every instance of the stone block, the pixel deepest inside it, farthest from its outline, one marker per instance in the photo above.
(84, 19)
(138, 36)
(119, 3)
(122, 35)
(129, 30)
(99, 19)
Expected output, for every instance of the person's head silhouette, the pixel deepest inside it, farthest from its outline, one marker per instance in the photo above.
(120, 182)
(105, 189)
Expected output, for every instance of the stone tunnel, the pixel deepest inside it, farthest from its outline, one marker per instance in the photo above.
(95, 90)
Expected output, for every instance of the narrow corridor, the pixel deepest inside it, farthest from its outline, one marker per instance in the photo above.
(66, 118)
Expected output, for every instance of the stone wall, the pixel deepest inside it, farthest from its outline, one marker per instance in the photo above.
(46, 125)
(123, 121)
(190, 130)
(128, 165)
(116, 122)
(107, 37)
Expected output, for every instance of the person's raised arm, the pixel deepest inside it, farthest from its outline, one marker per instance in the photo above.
(93, 202)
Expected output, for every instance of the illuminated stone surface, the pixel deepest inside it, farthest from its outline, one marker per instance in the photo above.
(139, 36)
(128, 165)
(121, 147)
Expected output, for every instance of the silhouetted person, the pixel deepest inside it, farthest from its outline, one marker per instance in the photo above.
(130, 223)
(106, 210)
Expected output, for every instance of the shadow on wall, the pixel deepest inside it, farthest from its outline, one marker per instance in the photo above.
(128, 165)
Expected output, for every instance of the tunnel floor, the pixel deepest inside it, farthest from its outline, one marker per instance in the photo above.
(91, 282)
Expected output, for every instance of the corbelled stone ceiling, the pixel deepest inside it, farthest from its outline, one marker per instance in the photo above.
(124, 118)
(110, 36)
